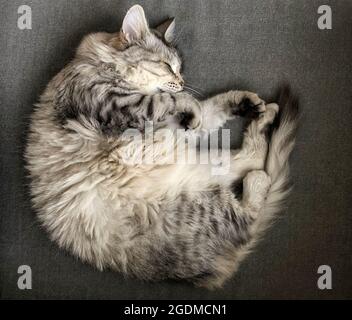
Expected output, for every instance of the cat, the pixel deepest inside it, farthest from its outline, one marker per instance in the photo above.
(152, 221)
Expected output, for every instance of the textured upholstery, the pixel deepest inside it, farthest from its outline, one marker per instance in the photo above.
(246, 44)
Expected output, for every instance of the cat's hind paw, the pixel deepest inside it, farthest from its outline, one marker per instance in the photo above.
(267, 118)
(256, 185)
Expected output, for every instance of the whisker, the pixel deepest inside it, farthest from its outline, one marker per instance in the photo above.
(194, 91)
(195, 87)
(190, 84)
(189, 87)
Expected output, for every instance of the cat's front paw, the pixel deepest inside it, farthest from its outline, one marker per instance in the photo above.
(247, 104)
(188, 120)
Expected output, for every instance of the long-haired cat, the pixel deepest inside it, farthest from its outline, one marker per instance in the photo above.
(158, 219)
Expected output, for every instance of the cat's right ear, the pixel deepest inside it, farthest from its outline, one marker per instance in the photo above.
(167, 29)
(135, 26)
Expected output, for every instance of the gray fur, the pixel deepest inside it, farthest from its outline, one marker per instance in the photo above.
(150, 221)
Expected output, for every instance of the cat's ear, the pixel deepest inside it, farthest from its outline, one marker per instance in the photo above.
(167, 29)
(135, 25)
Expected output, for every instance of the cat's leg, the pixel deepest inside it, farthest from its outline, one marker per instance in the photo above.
(229, 166)
(217, 110)
(255, 189)
(203, 116)
(254, 149)
(235, 222)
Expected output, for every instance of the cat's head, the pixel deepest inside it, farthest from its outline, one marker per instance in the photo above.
(143, 58)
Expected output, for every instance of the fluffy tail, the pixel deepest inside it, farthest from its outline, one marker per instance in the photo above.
(277, 166)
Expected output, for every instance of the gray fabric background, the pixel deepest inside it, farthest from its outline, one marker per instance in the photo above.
(246, 44)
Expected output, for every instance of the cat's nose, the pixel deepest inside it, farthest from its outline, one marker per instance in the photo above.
(180, 80)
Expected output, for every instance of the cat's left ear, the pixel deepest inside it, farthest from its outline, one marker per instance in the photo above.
(135, 25)
(167, 29)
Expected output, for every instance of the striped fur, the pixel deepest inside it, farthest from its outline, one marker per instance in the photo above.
(152, 221)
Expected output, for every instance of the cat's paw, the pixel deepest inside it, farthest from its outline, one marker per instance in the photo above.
(188, 120)
(256, 182)
(248, 104)
(268, 117)
(256, 185)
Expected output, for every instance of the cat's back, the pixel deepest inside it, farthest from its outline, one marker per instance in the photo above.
(72, 193)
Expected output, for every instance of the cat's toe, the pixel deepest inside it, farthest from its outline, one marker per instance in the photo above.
(188, 120)
(249, 108)
(268, 117)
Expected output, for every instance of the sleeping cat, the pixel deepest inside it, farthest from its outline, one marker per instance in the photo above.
(151, 220)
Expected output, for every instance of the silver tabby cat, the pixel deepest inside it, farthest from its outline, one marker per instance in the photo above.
(151, 220)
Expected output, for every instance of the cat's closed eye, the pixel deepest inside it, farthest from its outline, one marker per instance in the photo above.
(169, 67)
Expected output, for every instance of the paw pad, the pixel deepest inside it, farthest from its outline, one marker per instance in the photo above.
(246, 108)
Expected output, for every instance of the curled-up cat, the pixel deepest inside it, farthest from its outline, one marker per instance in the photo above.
(151, 220)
